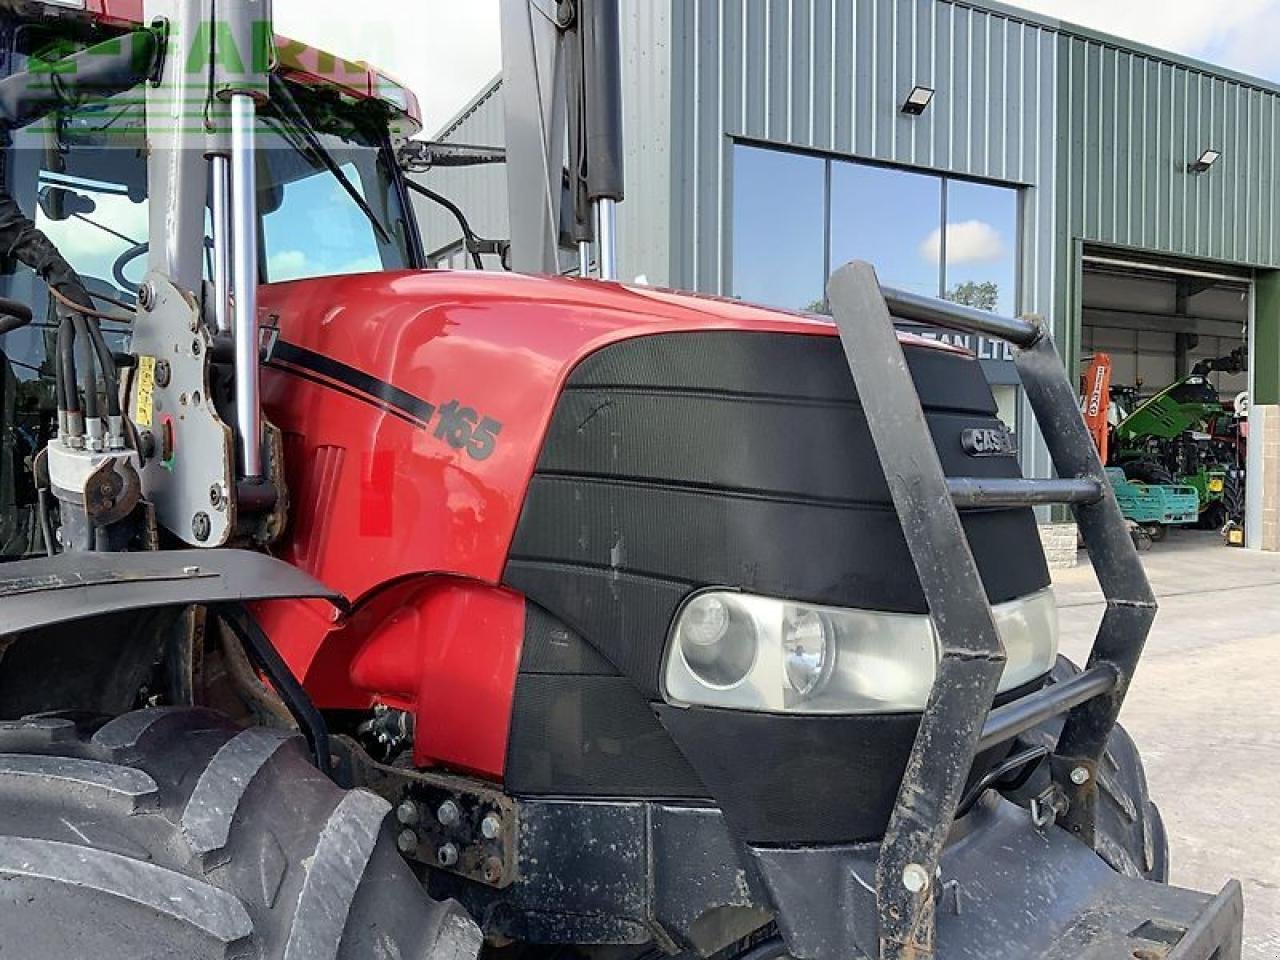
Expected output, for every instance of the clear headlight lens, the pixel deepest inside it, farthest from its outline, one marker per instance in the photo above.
(743, 652)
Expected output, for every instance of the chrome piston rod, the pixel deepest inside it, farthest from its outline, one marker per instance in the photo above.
(220, 174)
(245, 283)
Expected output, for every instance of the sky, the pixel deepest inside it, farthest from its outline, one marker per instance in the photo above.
(445, 50)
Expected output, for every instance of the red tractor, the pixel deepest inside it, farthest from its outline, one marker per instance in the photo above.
(356, 610)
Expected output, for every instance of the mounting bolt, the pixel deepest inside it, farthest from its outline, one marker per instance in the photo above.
(492, 870)
(163, 373)
(407, 841)
(146, 296)
(1080, 776)
(449, 814)
(491, 826)
(447, 855)
(915, 878)
(201, 527)
(215, 495)
(407, 813)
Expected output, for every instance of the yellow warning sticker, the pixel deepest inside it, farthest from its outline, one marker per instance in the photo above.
(1215, 484)
(144, 411)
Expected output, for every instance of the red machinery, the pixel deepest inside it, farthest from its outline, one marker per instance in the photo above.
(396, 613)
(1095, 402)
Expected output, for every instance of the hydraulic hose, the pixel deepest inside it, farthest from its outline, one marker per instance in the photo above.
(69, 387)
(101, 71)
(110, 374)
(90, 384)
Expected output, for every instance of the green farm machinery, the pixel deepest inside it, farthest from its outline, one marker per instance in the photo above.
(1174, 459)
(1183, 437)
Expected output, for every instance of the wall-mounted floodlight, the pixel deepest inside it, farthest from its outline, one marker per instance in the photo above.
(1204, 162)
(918, 100)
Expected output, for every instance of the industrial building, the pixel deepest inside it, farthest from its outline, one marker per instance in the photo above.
(967, 149)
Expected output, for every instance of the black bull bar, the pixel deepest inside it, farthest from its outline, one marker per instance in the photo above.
(1109, 916)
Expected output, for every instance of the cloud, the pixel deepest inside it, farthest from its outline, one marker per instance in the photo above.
(970, 241)
(288, 265)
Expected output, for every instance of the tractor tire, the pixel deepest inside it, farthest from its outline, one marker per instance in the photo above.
(1130, 836)
(1147, 471)
(1233, 500)
(170, 833)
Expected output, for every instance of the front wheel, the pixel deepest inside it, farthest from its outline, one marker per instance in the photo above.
(170, 833)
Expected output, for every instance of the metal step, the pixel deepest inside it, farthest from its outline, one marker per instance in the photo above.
(969, 493)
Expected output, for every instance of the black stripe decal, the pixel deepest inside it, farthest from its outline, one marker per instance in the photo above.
(345, 391)
(384, 394)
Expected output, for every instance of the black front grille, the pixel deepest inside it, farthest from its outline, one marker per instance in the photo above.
(739, 459)
(735, 459)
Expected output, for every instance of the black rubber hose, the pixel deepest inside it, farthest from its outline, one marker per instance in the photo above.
(59, 387)
(89, 373)
(468, 235)
(257, 645)
(110, 373)
(46, 525)
(67, 364)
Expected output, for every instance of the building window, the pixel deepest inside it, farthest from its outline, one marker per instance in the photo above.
(980, 268)
(779, 243)
(888, 218)
(796, 217)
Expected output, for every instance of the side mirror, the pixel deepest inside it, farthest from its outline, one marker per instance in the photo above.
(418, 156)
(61, 203)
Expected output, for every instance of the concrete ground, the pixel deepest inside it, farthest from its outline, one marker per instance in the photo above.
(1205, 711)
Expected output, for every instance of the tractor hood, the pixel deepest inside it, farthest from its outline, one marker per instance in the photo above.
(425, 397)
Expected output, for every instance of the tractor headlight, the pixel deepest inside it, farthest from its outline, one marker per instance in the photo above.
(744, 652)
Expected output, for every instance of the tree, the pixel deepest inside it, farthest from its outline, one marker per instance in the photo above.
(818, 306)
(983, 296)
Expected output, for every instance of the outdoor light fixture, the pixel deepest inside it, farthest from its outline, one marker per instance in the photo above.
(1206, 160)
(918, 100)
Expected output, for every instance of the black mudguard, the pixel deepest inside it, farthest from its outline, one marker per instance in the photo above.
(36, 594)
(86, 630)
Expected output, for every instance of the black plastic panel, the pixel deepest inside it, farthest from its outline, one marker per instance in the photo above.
(578, 728)
(764, 364)
(803, 779)
(781, 447)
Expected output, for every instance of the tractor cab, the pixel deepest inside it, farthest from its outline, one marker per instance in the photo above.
(330, 201)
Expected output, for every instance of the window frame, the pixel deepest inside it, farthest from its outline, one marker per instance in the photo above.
(829, 160)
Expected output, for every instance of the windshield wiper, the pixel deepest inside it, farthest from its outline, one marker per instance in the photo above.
(281, 95)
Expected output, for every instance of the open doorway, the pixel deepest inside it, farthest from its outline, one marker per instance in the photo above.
(1174, 337)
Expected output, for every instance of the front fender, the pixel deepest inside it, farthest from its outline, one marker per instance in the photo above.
(51, 591)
